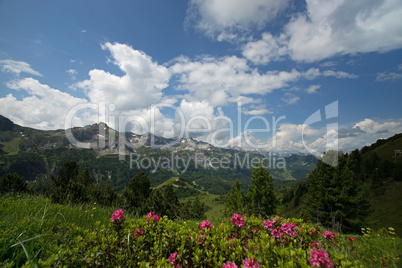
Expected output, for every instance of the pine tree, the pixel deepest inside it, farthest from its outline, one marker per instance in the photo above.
(335, 198)
(236, 202)
(261, 196)
(136, 193)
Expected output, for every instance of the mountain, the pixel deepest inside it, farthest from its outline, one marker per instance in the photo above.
(114, 158)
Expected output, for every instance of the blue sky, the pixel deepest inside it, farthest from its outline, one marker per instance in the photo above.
(210, 66)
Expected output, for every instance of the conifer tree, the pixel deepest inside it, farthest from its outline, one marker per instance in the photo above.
(261, 196)
(136, 193)
(335, 198)
(236, 202)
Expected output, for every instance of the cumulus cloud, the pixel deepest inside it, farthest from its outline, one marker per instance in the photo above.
(313, 89)
(140, 87)
(17, 67)
(265, 50)
(332, 28)
(290, 98)
(200, 118)
(223, 21)
(228, 76)
(43, 108)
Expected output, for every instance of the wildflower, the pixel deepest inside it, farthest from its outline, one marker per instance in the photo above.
(328, 234)
(318, 257)
(94, 203)
(238, 220)
(153, 216)
(92, 215)
(268, 225)
(86, 211)
(205, 224)
(251, 263)
(229, 265)
(391, 229)
(351, 239)
(312, 245)
(117, 215)
(201, 239)
(94, 208)
(276, 233)
(138, 233)
(276, 219)
(172, 258)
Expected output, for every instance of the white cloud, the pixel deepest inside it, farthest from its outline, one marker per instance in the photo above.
(17, 67)
(72, 73)
(385, 76)
(231, 75)
(332, 28)
(313, 89)
(339, 74)
(265, 50)
(290, 98)
(200, 118)
(44, 108)
(227, 21)
(140, 87)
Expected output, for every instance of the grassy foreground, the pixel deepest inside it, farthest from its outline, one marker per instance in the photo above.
(35, 232)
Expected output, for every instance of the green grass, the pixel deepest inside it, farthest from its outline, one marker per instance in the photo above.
(387, 208)
(11, 147)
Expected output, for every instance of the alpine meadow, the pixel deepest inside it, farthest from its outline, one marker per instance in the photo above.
(201, 133)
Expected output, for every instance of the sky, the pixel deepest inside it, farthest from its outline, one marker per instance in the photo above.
(281, 76)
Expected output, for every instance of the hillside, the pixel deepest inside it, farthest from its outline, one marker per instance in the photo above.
(380, 173)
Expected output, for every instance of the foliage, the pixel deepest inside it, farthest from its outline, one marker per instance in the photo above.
(335, 198)
(236, 201)
(12, 183)
(46, 238)
(261, 195)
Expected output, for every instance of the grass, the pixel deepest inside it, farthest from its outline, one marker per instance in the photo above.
(11, 147)
(387, 208)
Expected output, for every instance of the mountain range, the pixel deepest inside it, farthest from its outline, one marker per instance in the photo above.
(114, 158)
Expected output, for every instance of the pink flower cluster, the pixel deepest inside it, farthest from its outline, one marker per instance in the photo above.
(153, 216)
(172, 259)
(205, 224)
(251, 263)
(318, 257)
(138, 233)
(269, 225)
(328, 234)
(289, 229)
(238, 220)
(247, 263)
(351, 239)
(117, 215)
(229, 265)
(276, 233)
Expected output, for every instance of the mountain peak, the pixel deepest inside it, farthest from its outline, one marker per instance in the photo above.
(6, 124)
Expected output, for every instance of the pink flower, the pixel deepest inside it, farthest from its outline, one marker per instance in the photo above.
(229, 265)
(276, 219)
(238, 220)
(351, 239)
(156, 218)
(328, 234)
(138, 233)
(153, 216)
(201, 239)
(269, 225)
(276, 233)
(250, 263)
(172, 258)
(289, 229)
(318, 257)
(312, 245)
(117, 215)
(205, 224)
